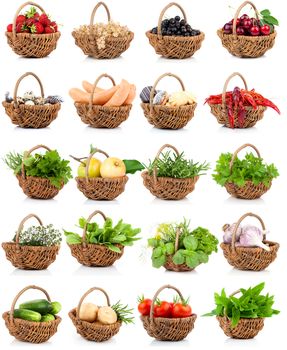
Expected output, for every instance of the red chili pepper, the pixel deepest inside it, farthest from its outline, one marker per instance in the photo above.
(241, 113)
(248, 98)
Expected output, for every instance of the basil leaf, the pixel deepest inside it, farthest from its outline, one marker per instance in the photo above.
(178, 258)
(265, 12)
(169, 248)
(271, 20)
(190, 243)
(158, 262)
(133, 165)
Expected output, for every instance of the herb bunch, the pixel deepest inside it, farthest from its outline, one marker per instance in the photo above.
(44, 236)
(123, 312)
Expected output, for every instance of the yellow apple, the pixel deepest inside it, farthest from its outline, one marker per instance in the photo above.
(113, 167)
(94, 168)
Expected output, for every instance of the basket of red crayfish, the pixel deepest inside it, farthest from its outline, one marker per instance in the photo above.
(239, 108)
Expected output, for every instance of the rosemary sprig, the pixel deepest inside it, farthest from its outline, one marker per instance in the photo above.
(123, 312)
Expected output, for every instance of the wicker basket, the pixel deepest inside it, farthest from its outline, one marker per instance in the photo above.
(114, 47)
(167, 117)
(168, 187)
(252, 116)
(172, 46)
(28, 331)
(98, 116)
(170, 329)
(29, 257)
(36, 187)
(98, 188)
(94, 331)
(246, 46)
(31, 45)
(26, 116)
(249, 190)
(95, 255)
(249, 258)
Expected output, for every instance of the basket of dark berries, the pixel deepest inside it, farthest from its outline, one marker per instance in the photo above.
(239, 108)
(248, 36)
(174, 37)
(29, 110)
(32, 34)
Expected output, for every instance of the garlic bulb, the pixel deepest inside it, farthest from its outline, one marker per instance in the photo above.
(252, 236)
(228, 232)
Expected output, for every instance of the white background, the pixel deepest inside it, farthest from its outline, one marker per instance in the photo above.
(203, 139)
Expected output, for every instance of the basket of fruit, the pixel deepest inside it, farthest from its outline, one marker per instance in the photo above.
(248, 178)
(178, 248)
(171, 176)
(32, 34)
(104, 108)
(40, 176)
(100, 246)
(249, 37)
(240, 108)
(35, 321)
(35, 248)
(30, 111)
(240, 319)
(174, 37)
(246, 247)
(167, 111)
(99, 323)
(167, 321)
(103, 40)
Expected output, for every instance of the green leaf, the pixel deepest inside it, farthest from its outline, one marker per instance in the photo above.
(133, 165)
(178, 258)
(157, 252)
(192, 261)
(169, 248)
(158, 262)
(152, 242)
(72, 238)
(190, 243)
(235, 317)
(271, 20)
(265, 12)
(119, 238)
(114, 248)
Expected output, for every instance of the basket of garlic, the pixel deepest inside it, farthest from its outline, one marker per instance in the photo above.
(103, 40)
(246, 247)
(99, 323)
(167, 111)
(30, 111)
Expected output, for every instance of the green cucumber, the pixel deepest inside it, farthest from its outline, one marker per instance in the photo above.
(56, 307)
(27, 315)
(47, 318)
(42, 306)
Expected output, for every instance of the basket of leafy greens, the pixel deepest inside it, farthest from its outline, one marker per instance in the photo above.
(248, 178)
(171, 176)
(100, 246)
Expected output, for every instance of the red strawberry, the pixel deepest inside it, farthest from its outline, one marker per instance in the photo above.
(37, 28)
(44, 19)
(20, 27)
(29, 22)
(20, 19)
(54, 25)
(49, 30)
(36, 16)
(10, 27)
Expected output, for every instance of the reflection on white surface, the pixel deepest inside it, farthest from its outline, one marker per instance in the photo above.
(236, 201)
(30, 273)
(96, 271)
(166, 344)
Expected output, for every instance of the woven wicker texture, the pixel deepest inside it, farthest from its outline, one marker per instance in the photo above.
(31, 45)
(167, 187)
(252, 116)
(247, 328)
(246, 46)
(28, 331)
(29, 257)
(249, 190)
(94, 254)
(94, 331)
(170, 329)
(98, 116)
(249, 258)
(26, 116)
(171, 46)
(114, 47)
(166, 117)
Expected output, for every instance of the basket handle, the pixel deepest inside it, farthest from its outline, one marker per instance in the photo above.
(21, 226)
(238, 12)
(26, 155)
(177, 236)
(240, 149)
(152, 93)
(89, 160)
(235, 74)
(11, 314)
(164, 11)
(86, 294)
(157, 157)
(99, 4)
(94, 213)
(19, 10)
(95, 85)
(239, 222)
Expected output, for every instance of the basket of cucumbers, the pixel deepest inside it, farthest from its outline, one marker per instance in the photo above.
(34, 321)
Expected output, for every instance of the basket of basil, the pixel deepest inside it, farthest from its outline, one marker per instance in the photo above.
(248, 178)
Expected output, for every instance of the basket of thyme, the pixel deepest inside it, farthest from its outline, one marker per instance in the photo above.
(171, 176)
(34, 248)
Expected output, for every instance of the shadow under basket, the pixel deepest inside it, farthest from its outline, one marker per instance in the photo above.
(247, 328)
(248, 191)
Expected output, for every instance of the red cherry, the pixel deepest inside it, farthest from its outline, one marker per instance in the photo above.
(243, 17)
(240, 31)
(237, 22)
(255, 21)
(247, 23)
(265, 30)
(255, 31)
(227, 29)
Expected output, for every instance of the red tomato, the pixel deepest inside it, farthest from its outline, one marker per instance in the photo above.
(144, 306)
(180, 311)
(163, 309)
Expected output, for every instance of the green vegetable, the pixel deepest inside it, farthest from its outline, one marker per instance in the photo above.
(194, 247)
(47, 318)
(42, 306)
(132, 166)
(108, 235)
(56, 307)
(251, 304)
(45, 236)
(27, 315)
(123, 312)
(250, 168)
(49, 166)
(176, 166)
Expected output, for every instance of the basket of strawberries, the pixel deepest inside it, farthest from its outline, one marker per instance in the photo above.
(32, 34)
